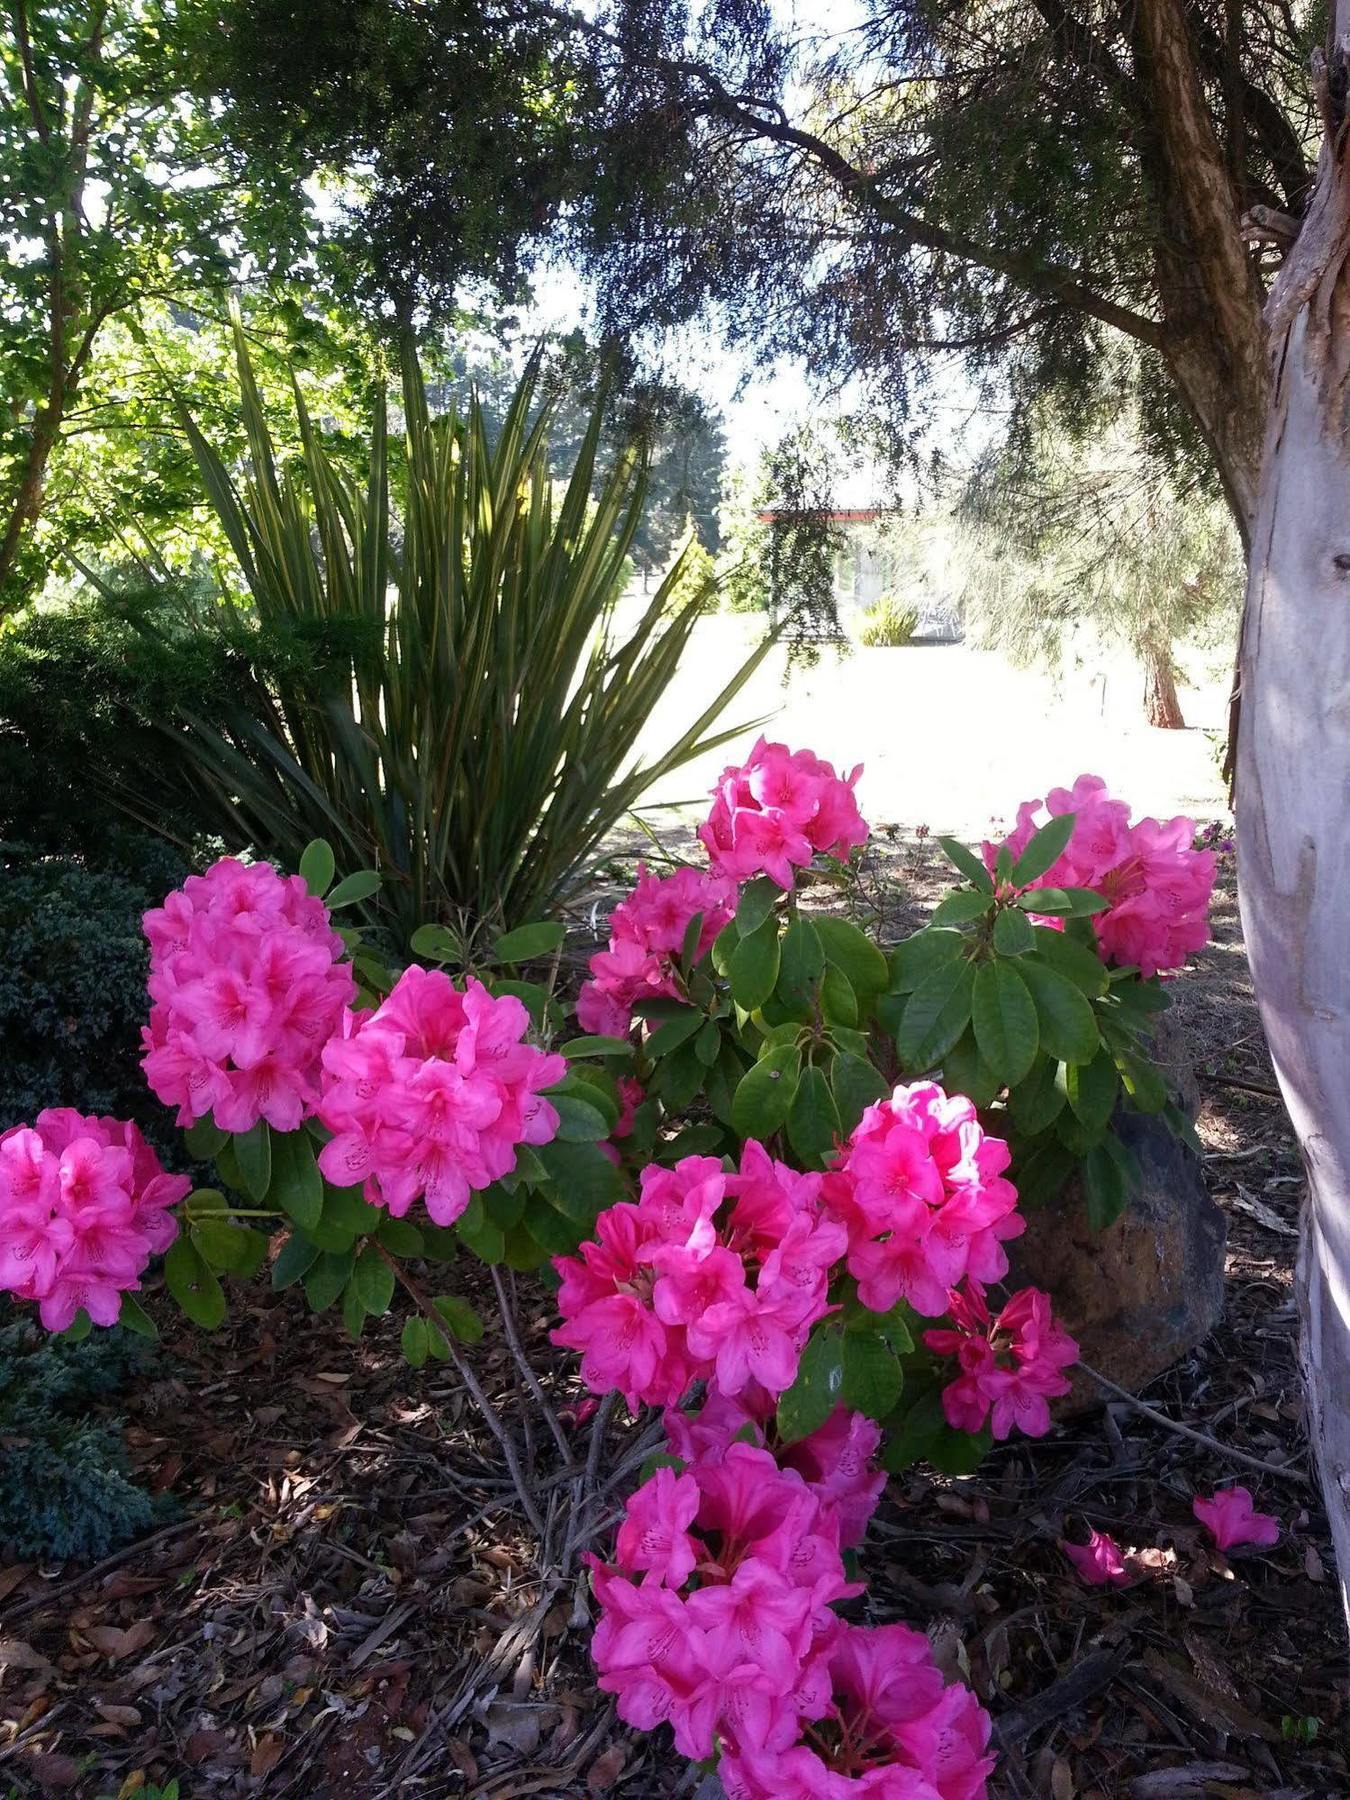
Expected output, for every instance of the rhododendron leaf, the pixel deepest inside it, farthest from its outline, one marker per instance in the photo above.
(373, 1281)
(437, 943)
(345, 1211)
(761, 1103)
(872, 1377)
(400, 1236)
(597, 1046)
(548, 1227)
(815, 1393)
(540, 938)
(894, 1326)
(855, 1084)
(1143, 1081)
(838, 1002)
(968, 863)
(579, 1121)
(204, 1200)
(484, 1239)
(359, 885)
(1077, 962)
(853, 954)
(753, 969)
(911, 1438)
(205, 1139)
(440, 1243)
(1144, 998)
(317, 866)
(1068, 1025)
(415, 1340)
(1182, 1125)
(960, 907)
(813, 1119)
(193, 1285)
(297, 1185)
(693, 931)
(528, 1166)
(1037, 1101)
(584, 1179)
(1075, 1135)
(504, 1206)
(1013, 934)
(536, 1000)
(593, 1086)
(708, 1043)
(757, 900)
(1004, 1018)
(228, 1248)
(462, 1320)
(132, 1316)
(724, 948)
(800, 961)
(521, 1250)
(1093, 1089)
(353, 1311)
(1062, 903)
(1003, 862)
(1041, 1170)
(327, 1278)
(920, 954)
(1043, 849)
(674, 1032)
(77, 1330)
(295, 1256)
(964, 1071)
(695, 1140)
(958, 1452)
(678, 1078)
(937, 1013)
(1106, 1184)
(253, 1155)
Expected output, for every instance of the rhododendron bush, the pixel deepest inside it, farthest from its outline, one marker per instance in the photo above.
(774, 1178)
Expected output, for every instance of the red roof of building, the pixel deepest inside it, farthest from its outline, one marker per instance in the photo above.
(848, 515)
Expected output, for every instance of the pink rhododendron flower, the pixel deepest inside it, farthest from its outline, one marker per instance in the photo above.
(920, 1190)
(647, 932)
(776, 811)
(709, 1275)
(1158, 884)
(1230, 1519)
(248, 984)
(84, 1204)
(1010, 1365)
(1099, 1562)
(431, 1094)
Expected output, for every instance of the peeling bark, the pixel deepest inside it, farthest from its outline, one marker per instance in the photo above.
(1293, 789)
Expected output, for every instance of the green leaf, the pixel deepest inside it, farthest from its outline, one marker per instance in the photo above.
(872, 1376)
(838, 1002)
(579, 1122)
(855, 1085)
(1062, 903)
(1144, 1082)
(358, 886)
(133, 1317)
(1037, 1101)
(294, 1259)
(914, 1435)
(346, 1215)
(373, 1280)
(1105, 1189)
(353, 1311)
(920, 954)
(1013, 933)
(484, 1239)
(674, 1032)
(1044, 848)
(800, 963)
(317, 866)
(958, 1452)
(78, 1329)
(526, 942)
(693, 932)
(521, 1251)
(853, 953)
(678, 1078)
(815, 1393)
(813, 1119)
(462, 1320)
(960, 907)
(548, 1227)
(708, 1043)
(970, 865)
(1004, 1018)
(297, 1185)
(437, 943)
(764, 1096)
(193, 1285)
(1076, 962)
(504, 1206)
(596, 1046)
(415, 1340)
(583, 1178)
(1041, 1170)
(964, 1071)
(326, 1278)
(937, 1013)
(1068, 1025)
(253, 1153)
(205, 1139)
(400, 1237)
(724, 948)
(757, 901)
(753, 970)
(1093, 1089)
(228, 1248)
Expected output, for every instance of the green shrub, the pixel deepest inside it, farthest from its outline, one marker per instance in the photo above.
(65, 1489)
(72, 980)
(890, 623)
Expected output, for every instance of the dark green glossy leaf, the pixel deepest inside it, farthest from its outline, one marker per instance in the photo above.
(326, 1279)
(853, 953)
(597, 1046)
(815, 1393)
(358, 886)
(579, 1121)
(964, 1071)
(757, 901)
(415, 1340)
(1004, 1019)
(919, 955)
(1077, 962)
(753, 969)
(317, 866)
(855, 1085)
(297, 1185)
(253, 1154)
(1093, 1089)
(373, 1280)
(526, 942)
(813, 1126)
(296, 1256)
(1067, 1023)
(193, 1285)
(463, 1321)
(1044, 848)
(205, 1139)
(762, 1100)
(1037, 1101)
(437, 943)
(132, 1316)
(674, 1032)
(970, 865)
(937, 1013)
(1013, 934)
(960, 907)
(872, 1376)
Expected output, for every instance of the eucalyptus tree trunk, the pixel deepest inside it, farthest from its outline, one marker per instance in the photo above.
(1293, 787)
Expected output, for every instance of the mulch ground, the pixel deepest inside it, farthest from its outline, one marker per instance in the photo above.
(343, 1609)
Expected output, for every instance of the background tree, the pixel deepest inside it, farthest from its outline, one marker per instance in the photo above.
(1096, 537)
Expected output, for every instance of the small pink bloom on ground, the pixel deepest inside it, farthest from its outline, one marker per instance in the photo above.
(1099, 1562)
(1230, 1519)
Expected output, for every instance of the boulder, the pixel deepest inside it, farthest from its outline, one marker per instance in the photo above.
(1140, 1294)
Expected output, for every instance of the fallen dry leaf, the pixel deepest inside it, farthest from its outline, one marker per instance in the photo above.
(606, 1769)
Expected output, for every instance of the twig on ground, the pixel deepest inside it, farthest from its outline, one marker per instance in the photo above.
(506, 1301)
(1196, 1437)
(109, 1563)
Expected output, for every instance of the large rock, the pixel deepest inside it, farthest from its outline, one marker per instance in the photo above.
(1143, 1292)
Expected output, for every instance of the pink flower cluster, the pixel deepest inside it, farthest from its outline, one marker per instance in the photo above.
(1157, 883)
(646, 935)
(709, 1276)
(776, 811)
(1010, 1365)
(431, 1094)
(247, 985)
(920, 1190)
(84, 1204)
(716, 1617)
